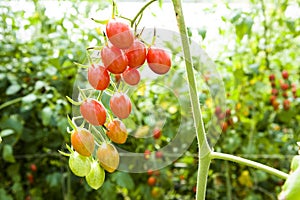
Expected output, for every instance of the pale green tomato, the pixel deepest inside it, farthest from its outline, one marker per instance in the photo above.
(291, 187)
(295, 163)
(96, 176)
(79, 165)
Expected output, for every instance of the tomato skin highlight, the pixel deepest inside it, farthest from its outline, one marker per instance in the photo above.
(114, 60)
(108, 157)
(98, 77)
(117, 131)
(119, 34)
(131, 76)
(93, 112)
(120, 105)
(136, 54)
(158, 60)
(83, 141)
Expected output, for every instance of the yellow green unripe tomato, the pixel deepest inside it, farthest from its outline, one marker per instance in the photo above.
(295, 163)
(79, 165)
(291, 187)
(96, 176)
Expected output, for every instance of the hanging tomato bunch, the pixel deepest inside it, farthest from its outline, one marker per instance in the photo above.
(92, 143)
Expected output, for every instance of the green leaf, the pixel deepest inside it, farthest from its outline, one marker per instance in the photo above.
(160, 3)
(6, 132)
(13, 89)
(13, 172)
(244, 27)
(235, 16)
(8, 153)
(123, 179)
(51, 70)
(202, 32)
(54, 179)
(4, 195)
(46, 115)
(39, 85)
(107, 191)
(29, 98)
(17, 189)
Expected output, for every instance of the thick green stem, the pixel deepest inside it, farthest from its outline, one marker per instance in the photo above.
(11, 102)
(250, 163)
(203, 147)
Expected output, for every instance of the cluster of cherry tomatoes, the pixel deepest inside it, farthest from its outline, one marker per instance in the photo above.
(282, 88)
(122, 56)
(224, 118)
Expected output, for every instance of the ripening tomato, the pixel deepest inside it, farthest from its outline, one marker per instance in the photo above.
(82, 141)
(114, 59)
(136, 54)
(117, 131)
(224, 126)
(131, 76)
(158, 60)
(119, 34)
(151, 181)
(93, 112)
(30, 178)
(286, 104)
(120, 105)
(98, 77)
(108, 157)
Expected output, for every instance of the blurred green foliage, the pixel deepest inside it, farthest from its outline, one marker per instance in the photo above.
(37, 72)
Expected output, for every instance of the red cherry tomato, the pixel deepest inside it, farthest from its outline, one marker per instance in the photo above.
(136, 54)
(120, 105)
(119, 34)
(158, 60)
(33, 167)
(156, 133)
(98, 77)
(285, 74)
(82, 141)
(117, 131)
(131, 76)
(114, 59)
(93, 112)
(151, 181)
(159, 154)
